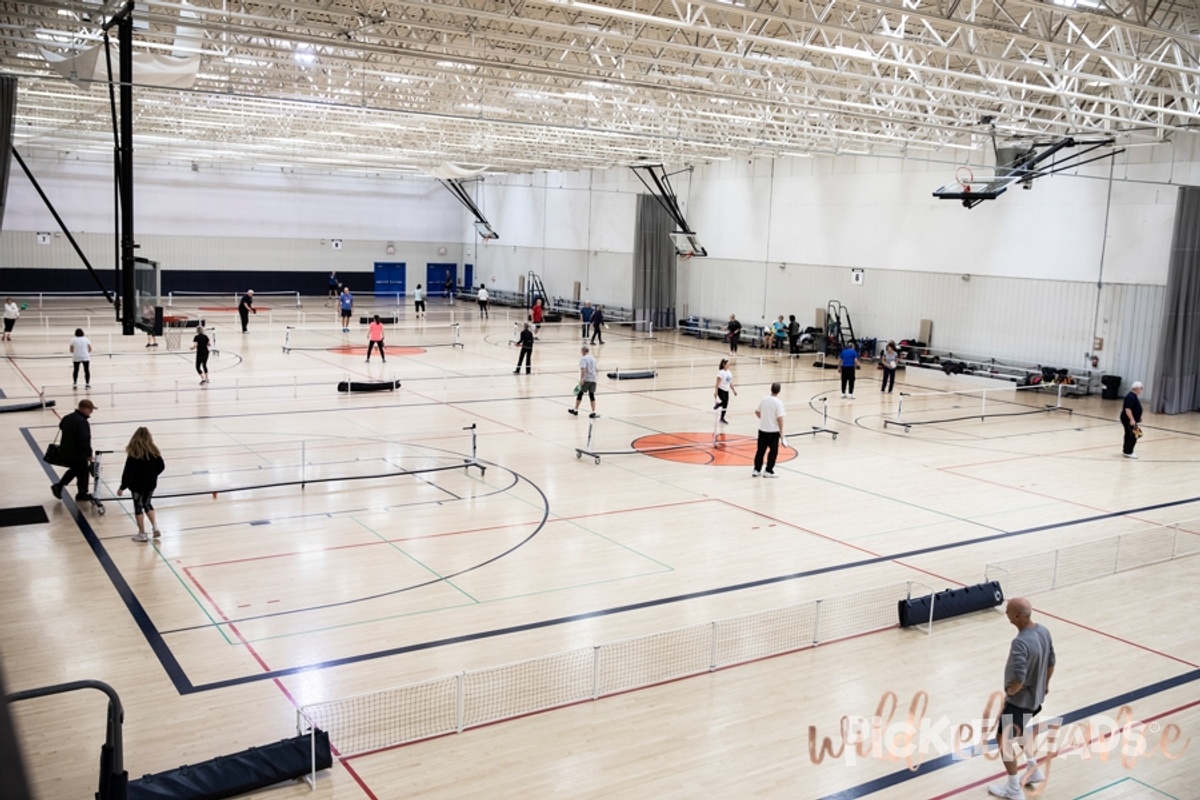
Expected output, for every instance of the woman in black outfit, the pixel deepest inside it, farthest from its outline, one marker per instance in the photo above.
(143, 465)
(200, 345)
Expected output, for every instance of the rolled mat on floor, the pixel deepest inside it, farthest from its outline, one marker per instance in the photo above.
(36, 404)
(368, 386)
(632, 376)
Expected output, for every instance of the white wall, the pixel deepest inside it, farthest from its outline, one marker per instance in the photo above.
(1082, 255)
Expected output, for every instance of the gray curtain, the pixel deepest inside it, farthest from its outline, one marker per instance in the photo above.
(653, 264)
(1177, 383)
(8, 110)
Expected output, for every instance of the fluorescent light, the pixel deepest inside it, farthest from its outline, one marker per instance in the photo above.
(621, 12)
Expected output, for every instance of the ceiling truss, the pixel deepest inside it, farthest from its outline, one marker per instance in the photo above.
(521, 85)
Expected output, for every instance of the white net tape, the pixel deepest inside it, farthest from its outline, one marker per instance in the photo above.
(754, 636)
(1041, 572)
(384, 719)
(517, 689)
(396, 716)
(860, 612)
(656, 658)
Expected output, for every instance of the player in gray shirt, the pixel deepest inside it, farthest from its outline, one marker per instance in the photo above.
(1026, 681)
(587, 382)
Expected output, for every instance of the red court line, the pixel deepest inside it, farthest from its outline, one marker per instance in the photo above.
(830, 643)
(999, 775)
(277, 681)
(293, 553)
(1114, 637)
(794, 526)
(1023, 491)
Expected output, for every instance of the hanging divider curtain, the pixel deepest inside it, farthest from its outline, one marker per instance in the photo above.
(8, 110)
(653, 264)
(1178, 379)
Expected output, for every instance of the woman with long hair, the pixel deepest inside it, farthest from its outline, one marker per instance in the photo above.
(722, 389)
(143, 465)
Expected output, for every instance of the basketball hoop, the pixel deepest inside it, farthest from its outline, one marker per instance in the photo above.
(686, 256)
(964, 178)
(174, 337)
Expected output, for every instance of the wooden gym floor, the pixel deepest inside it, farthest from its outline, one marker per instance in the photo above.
(258, 601)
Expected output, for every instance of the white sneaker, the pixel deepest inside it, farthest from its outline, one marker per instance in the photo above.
(755, 474)
(770, 475)
(1034, 776)
(851, 397)
(843, 395)
(1002, 789)
(1129, 455)
(140, 537)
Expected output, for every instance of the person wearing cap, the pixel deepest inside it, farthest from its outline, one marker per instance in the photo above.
(75, 450)
(246, 308)
(1131, 418)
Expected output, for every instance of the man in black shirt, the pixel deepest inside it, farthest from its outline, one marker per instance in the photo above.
(75, 450)
(1131, 417)
(246, 308)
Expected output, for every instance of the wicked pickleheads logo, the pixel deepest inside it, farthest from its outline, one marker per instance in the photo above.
(914, 737)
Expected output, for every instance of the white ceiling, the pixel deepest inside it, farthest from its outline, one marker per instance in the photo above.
(383, 85)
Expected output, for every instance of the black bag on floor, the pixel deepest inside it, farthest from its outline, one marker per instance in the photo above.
(229, 776)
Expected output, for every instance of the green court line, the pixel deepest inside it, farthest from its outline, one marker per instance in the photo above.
(1124, 780)
(187, 588)
(415, 560)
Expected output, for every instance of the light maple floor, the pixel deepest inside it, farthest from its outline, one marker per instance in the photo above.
(253, 594)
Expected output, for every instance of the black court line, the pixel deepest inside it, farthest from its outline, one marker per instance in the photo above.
(184, 686)
(949, 760)
(165, 657)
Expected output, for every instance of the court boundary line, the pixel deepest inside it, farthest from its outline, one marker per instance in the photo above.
(184, 685)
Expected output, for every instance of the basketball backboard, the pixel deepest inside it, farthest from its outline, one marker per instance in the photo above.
(687, 244)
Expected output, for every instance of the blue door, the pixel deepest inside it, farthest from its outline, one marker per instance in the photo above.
(438, 277)
(389, 279)
(469, 276)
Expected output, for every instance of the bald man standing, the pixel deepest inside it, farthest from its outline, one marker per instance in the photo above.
(1026, 683)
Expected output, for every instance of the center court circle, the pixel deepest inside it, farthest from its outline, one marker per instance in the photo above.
(699, 448)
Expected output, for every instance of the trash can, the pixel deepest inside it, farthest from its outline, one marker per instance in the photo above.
(1111, 387)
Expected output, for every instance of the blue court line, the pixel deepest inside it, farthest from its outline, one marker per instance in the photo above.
(949, 760)
(184, 686)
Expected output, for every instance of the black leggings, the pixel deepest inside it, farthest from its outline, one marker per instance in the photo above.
(722, 401)
(201, 362)
(526, 357)
(373, 344)
(889, 380)
(87, 372)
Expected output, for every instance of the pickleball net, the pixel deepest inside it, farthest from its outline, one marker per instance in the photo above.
(958, 405)
(394, 337)
(242, 467)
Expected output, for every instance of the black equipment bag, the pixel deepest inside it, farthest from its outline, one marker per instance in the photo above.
(365, 386)
(950, 603)
(229, 776)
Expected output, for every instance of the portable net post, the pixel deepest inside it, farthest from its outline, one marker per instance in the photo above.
(824, 426)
